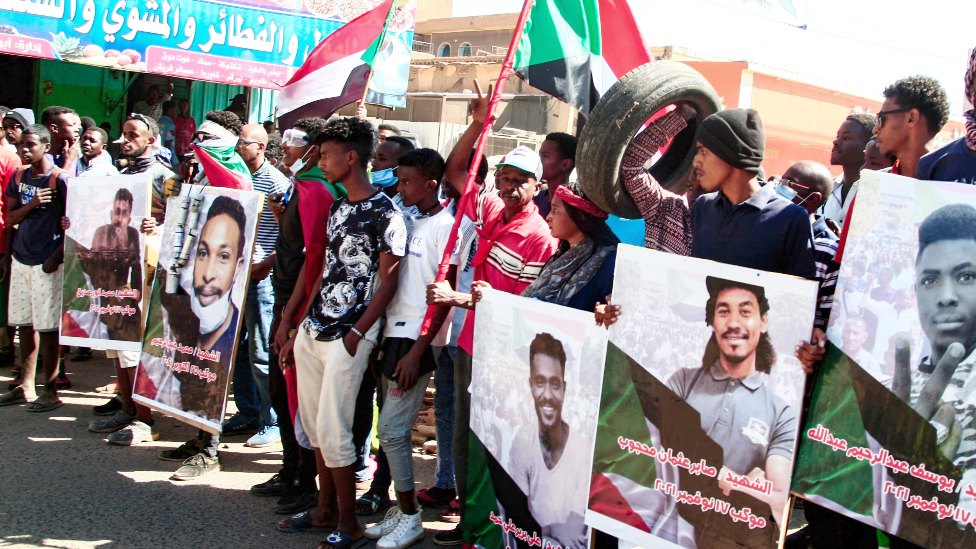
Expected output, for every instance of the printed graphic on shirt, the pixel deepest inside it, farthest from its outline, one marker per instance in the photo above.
(357, 233)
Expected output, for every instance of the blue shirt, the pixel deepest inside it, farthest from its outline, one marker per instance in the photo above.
(629, 231)
(766, 232)
(954, 162)
(597, 289)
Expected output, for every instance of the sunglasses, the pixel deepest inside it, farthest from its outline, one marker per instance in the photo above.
(882, 114)
(244, 142)
(142, 118)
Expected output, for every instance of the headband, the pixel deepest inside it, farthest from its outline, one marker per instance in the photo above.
(579, 202)
(213, 128)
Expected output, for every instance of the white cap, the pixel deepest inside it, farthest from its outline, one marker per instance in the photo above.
(524, 159)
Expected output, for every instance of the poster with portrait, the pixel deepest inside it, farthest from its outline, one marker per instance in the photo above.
(889, 439)
(699, 412)
(535, 389)
(104, 262)
(197, 303)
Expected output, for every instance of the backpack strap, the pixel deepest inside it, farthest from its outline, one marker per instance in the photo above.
(19, 174)
(52, 180)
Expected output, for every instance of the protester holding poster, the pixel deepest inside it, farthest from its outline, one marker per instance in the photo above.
(194, 315)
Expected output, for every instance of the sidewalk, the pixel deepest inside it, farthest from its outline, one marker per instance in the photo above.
(66, 487)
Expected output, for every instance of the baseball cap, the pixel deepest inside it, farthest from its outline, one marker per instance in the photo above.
(24, 117)
(524, 159)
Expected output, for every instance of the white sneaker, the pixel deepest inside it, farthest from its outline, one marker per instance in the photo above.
(386, 525)
(409, 530)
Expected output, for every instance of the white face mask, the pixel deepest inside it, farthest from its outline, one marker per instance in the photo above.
(300, 163)
(211, 316)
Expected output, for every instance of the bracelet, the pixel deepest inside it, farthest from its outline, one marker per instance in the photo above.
(357, 332)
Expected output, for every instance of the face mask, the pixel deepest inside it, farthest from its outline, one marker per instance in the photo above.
(789, 193)
(300, 163)
(211, 316)
(383, 178)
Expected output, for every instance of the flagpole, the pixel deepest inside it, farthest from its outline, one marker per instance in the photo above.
(469, 186)
(369, 78)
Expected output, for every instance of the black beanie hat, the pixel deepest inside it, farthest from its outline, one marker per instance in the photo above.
(736, 136)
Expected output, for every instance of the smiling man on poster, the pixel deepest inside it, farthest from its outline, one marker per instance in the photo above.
(549, 463)
(755, 428)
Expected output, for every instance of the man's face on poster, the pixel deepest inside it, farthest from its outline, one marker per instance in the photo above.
(121, 214)
(217, 260)
(945, 286)
(737, 324)
(548, 389)
(855, 334)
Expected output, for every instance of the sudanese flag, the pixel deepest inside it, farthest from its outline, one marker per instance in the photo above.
(576, 49)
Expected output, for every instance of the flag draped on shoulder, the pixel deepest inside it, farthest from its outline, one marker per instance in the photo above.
(335, 73)
(576, 49)
(222, 165)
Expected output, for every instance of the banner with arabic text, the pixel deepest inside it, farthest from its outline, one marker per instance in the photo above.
(700, 405)
(197, 303)
(535, 387)
(889, 439)
(104, 262)
(255, 43)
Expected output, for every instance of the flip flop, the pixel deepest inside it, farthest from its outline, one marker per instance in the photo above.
(43, 407)
(302, 522)
(338, 540)
(373, 502)
(20, 400)
(111, 388)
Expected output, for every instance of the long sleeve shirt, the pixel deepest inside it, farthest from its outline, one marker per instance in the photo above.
(667, 220)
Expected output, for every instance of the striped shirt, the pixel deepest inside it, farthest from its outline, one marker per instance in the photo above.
(268, 180)
(824, 249)
(510, 255)
(961, 394)
(667, 221)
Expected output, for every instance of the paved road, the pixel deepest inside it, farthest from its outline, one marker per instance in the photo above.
(62, 486)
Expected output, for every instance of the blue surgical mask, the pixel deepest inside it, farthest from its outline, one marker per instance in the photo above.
(785, 191)
(383, 178)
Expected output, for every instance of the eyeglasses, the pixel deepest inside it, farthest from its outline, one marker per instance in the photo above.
(245, 142)
(12, 125)
(882, 114)
(787, 188)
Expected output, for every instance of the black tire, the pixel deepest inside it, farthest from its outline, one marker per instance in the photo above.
(618, 115)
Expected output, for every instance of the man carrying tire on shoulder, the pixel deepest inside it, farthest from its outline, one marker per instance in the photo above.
(737, 221)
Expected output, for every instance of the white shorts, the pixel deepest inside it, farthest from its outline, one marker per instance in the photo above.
(328, 384)
(129, 359)
(35, 297)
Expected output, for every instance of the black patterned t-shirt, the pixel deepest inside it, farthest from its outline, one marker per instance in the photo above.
(357, 233)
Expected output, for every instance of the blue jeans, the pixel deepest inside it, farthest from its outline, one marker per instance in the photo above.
(258, 316)
(245, 390)
(444, 414)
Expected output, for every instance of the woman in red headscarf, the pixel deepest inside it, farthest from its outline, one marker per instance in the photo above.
(580, 274)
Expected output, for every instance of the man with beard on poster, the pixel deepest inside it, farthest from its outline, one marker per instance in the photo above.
(206, 319)
(114, 262)
(754, 427)
(549, 464)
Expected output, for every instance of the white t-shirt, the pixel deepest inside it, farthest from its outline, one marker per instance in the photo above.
(426, 239)
(556, 496)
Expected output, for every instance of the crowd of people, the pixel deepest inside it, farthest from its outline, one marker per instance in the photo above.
(347, 252)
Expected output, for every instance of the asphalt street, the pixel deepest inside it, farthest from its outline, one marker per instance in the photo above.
(63, 486)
